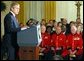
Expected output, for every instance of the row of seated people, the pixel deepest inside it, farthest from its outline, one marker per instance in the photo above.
(61, 40)
(67, 47)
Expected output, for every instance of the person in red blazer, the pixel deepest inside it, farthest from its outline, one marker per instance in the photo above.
(74, 44)
(46, 42)
(58, 41)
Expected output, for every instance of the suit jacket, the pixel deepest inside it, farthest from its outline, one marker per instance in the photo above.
(11, 27)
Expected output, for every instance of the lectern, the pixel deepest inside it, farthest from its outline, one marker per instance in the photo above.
(28, 41)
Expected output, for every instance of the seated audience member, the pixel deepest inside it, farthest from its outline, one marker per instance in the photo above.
(54, 27)
(29, 22)
(21, 25)
(58, 42)
(78, 20)
(50, 23)
(43, 22)
(64, 29)
(49, 29)
(71, 24)
(64, 22)
(45, 44)
(74, 45)
(54, 21)
(79, 29)
(59, 24)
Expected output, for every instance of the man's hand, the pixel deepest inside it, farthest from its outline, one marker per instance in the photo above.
(52, 48)
(58, 48)
(25, 27)
(42, 49)
(71, 53)
(74, 52)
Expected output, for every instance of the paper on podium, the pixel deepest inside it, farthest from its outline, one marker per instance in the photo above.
(23, 28)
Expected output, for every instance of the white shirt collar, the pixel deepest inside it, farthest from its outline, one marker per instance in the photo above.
(12, 13)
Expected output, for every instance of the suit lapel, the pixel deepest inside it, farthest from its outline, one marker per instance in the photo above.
(16, 23)
(14, 20)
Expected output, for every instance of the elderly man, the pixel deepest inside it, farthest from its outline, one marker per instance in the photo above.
(74, 44)
(45, 44)
(58, 41)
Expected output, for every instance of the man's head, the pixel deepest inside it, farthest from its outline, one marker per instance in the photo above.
(63, 28)
(15, 7)
(80, 28)
(55, 24)
(43, 22)
(43, 29)
(49, 29)
(51, 22)
(59, 24)
(29, 22)
(64, 21)
(58, 30)
(78, 20)
(72, 23)
(73, 29)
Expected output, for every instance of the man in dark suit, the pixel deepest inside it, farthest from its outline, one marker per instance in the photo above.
(11, 27)
(64, 22)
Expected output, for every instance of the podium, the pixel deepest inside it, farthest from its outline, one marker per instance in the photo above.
(28, 41)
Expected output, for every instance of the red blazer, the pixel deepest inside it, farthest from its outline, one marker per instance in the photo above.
(75, 42)
(46, 41)
(58, 40)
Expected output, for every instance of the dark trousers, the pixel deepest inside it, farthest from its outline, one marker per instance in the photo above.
(11, 53)
(57, 55)
(10, 45)
(47, 56)
(7, 48)
(79, 57)
(66, 57)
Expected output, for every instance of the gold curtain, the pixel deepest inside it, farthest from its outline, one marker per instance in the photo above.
(20, 16)
(49, 10)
